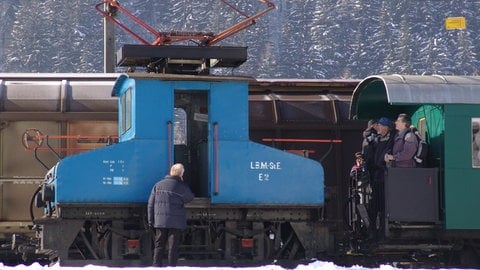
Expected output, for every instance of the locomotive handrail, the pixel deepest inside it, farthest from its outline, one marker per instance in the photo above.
(36, 137)
(68, 149)
(79, 137)
(169, 143)
(39, 160)
(215, 143)
(302, 140)
(50, 147)
(330, 141)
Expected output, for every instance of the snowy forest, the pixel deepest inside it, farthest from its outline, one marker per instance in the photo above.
(320, 39)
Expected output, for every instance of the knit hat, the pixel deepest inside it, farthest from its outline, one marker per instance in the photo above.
(384, 121)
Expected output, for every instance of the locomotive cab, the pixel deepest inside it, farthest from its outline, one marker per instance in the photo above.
(204, 125)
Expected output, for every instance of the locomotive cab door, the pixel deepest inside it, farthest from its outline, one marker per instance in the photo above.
(190, 131)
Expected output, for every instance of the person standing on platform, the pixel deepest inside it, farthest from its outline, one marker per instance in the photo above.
(405, 144)
(166, 213)
(382, 146)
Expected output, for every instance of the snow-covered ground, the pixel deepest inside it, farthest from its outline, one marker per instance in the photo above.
(311, 266)
(315, 265)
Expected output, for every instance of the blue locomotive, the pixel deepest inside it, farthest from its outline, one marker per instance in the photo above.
(201, 123)
(96, 199)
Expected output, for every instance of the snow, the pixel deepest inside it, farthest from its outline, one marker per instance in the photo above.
(314, 265)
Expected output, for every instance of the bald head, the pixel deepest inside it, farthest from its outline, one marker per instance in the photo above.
(177, 170)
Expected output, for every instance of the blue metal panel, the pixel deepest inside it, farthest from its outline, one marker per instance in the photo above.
(251, 173)
(153, 108)
(229, 108)
(120, 173)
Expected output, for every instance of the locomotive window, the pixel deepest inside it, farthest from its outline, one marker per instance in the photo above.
(475, 142)
(126, 103)
(180, 127)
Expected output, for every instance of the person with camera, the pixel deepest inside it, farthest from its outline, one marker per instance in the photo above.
(382, 145)
(369, 136)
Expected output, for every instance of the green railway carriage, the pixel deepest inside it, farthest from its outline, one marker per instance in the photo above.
(446, 110)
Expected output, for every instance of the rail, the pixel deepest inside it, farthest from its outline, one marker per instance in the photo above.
(215, 141)
(302, 140)
(169, 143)
(33, 140)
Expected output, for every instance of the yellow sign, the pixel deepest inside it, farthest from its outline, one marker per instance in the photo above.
(455, 23)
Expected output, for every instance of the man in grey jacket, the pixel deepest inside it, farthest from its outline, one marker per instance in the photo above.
(404, 145)
(166, 213)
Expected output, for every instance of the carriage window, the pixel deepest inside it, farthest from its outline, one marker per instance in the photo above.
(476, 142)
(126, 103)
(180, 127)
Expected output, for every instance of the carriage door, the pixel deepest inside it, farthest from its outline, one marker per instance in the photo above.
(190, 138)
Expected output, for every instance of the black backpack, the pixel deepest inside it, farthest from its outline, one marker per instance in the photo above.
(420, 156)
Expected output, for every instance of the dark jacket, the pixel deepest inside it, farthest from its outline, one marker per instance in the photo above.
(166, 203)
(383, 145)
(368, 147)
